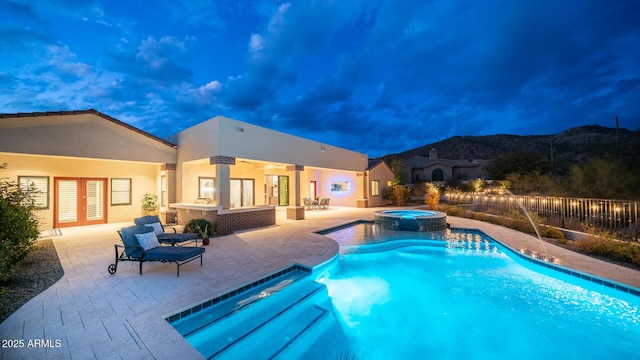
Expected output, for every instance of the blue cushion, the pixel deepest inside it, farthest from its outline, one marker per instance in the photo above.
(131, 243)
(148, 219)
(173, 253)
(178, 237)
(148, 240)
(157, 227)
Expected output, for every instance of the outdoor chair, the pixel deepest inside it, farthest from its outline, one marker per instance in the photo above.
(139, 243)
(324, 203)
(173, 238)
(307, 203)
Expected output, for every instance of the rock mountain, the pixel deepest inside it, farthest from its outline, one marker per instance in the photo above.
(570, 146)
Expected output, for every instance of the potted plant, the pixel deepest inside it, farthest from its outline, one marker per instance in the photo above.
(149, 204)
(202, 227)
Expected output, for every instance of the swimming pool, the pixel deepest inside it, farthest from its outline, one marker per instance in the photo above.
(461, 296)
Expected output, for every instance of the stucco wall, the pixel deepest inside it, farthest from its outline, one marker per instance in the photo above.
(144, 179)
(384, 175)
(228, 137)
(339, 198)
(80, 135)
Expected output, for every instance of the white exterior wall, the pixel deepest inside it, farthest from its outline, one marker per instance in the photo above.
(227, 137)
(222, 136)
(339, 198)
(144, 179)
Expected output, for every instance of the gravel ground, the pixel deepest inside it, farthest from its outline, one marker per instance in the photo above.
(35, 274)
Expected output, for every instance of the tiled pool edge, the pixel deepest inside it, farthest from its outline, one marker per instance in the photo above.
(342, 226)
(581, 275)
(177, 315)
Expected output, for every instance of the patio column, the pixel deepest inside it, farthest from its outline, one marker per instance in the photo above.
(169, 191)
(223, 179)
(295, 211)
(363, 190)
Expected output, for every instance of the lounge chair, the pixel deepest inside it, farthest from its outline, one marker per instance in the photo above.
(142, 248)
(173, 238)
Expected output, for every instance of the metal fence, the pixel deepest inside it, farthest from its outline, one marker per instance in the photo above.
(618, 217)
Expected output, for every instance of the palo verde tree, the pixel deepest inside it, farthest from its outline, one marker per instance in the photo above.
(18, 226)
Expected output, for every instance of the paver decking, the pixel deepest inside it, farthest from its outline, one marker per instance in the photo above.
(90, 314)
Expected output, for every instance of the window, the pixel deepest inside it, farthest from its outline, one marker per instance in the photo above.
(163, 190)
(375, 188)
(40, 185)
(206, 187)
(120, 191)
(437, 175)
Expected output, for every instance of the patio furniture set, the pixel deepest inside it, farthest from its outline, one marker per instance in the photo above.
(317, 204)
(147, 240)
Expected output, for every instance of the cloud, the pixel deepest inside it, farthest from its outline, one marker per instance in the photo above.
(375, 76)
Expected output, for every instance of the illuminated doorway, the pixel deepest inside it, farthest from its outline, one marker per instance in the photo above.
(79, 201)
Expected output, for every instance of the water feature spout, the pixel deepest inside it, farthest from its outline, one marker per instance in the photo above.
(526, 213)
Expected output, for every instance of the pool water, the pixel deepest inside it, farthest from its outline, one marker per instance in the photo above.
(409, 213)
(419, 302)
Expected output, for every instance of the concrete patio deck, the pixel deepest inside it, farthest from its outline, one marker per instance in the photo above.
(94, 315)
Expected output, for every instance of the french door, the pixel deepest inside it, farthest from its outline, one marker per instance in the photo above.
(79, 201)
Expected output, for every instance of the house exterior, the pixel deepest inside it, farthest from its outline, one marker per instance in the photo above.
(381, 178)
(92, 168)
(433, 169)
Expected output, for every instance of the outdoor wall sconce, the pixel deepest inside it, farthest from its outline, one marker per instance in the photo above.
(240, 130)
(323, 149)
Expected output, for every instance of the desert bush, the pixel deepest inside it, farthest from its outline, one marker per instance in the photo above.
(18, 226)
(431, 195)
(513, 219)
(198, 226)
(549, 232)
(606, 246)
(636, 257)
(397, 193)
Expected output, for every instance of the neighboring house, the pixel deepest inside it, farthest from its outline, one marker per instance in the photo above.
(381, 178)
(434, 169)
(92, 168)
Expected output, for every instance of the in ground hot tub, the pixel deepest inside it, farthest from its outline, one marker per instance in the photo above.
(411, 220)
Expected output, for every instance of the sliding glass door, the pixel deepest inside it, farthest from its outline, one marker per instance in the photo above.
(242, 192)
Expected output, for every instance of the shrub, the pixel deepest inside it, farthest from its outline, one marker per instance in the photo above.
(401, 194)
(432, 195)
(198, 226)
(610, 248)
(550, 232)
(18, 226)
(453, 210)
(149, 204)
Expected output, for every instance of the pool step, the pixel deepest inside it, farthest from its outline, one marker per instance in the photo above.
(234, 304)
(271, 323)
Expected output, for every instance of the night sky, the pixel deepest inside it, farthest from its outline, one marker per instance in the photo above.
(377, 77)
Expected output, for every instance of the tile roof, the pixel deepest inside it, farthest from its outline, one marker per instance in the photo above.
(90, 111)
